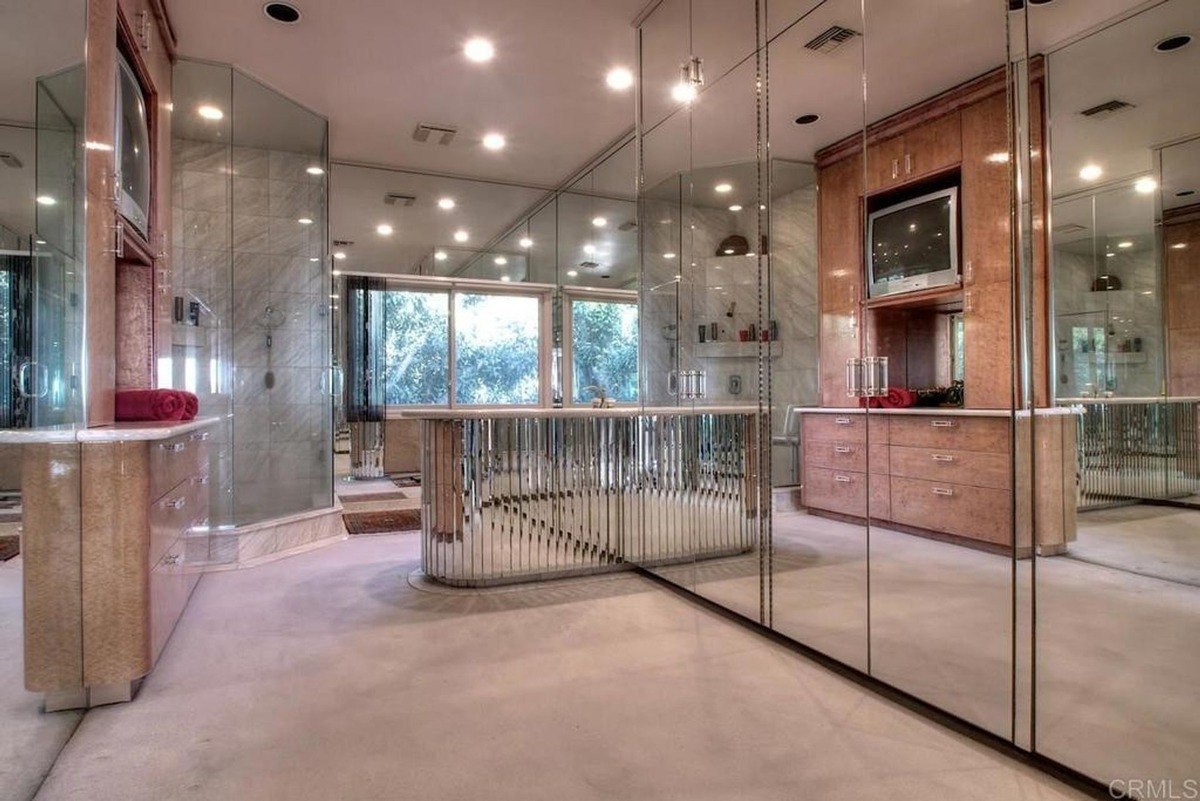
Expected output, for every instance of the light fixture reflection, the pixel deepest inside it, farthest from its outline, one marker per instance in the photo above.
(1091, 172)
(1145, 186)
(479, 50)
(210, 113)
(446, 203)
(383, 229)
(461, 236)
(619, 78)
(526, 242)
(493, 141)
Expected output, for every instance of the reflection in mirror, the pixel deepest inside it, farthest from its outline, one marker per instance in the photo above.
(819, 560)
(1118, 611)
(940, 490)
(41, 291)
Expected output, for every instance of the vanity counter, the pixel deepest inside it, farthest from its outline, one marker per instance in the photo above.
(117, 432)
(534, 412)
(943, 411)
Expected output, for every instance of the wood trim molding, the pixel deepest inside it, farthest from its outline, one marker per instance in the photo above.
(165, 29)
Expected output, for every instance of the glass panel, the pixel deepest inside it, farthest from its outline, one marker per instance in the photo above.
(1119, 604)
(604, 349)
(819, 537)
(417, 350)
(940, 491)
(496, 341)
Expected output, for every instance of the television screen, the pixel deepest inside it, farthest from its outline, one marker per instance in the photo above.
(133, 141)
(913, 239)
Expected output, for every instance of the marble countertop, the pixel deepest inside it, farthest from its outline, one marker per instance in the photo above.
(510, 412)
(941, 411)
(117, 432)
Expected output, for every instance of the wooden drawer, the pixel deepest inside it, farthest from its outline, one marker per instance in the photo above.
(176, 511)
(974, 468)
(169, 590)
(847, 428)
(172, 460)
(845, 492)
(980, 513)
(953, 432)
(842, 455)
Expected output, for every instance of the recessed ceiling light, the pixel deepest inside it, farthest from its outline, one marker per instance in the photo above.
(735, 207)
(210, 112)
(1091, 172)
(305, 221)
(500, 260)
(505, 278)
(383, 229)
(446, 203)
(313, 258)
(525, 242)
(282, 12)
(1125, 244)
(493, 141)
(315, 170)
(1173, 43)
(572, 273)
(807, 119)
(461, 236)
(619, 78)
(339, 255)
(1109, 255)
(45, 200)
(599, 222)
(723, 188)
(683, 92)
(440, 255)
(1179, 246)
(589, 249)
(1145, 185)
(479, 50)
(728, 251)
(668, 255)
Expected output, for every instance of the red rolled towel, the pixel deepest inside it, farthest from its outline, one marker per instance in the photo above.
(898, 398)
(148, 405)
(191, 404)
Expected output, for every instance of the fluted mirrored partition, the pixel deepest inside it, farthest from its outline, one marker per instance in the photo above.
(515, 496)
(1118, 612)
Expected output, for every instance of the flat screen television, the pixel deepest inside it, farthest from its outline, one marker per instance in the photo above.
(132, 149)
(913, 245)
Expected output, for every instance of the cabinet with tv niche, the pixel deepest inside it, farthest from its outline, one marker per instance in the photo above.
(945, 161)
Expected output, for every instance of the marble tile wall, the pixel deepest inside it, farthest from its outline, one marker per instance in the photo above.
(244, 252)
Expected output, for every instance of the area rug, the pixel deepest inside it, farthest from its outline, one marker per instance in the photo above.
(383, 522)
(406, 481)
(10, 546)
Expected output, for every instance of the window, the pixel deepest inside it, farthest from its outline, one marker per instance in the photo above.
(604, 349)
(416, 348)
(496, 343)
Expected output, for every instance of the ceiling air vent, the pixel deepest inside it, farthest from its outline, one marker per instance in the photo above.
(831, 39)
(398, 199)
(1069, 228)
(589, 265)
(9, 160)
(628, 225)
(1104, 109)
(443, 133)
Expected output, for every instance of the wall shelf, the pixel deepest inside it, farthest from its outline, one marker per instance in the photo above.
(947, 298)
(735, 350)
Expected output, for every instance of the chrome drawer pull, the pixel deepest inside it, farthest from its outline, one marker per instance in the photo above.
(200, 436)
(942, 491)
(843, 479)
(841, 449)
(842, 421)
(174, 503)
(942, 423)
(942, 457)
(174, 447)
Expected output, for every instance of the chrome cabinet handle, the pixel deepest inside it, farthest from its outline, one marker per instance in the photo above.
(942, 457)
(174, 503)
(942, 423)
(843, 479)
(895, 169)
(173, 447)
(842, 421)
(908, 163)
(841, 449)
(945, 491)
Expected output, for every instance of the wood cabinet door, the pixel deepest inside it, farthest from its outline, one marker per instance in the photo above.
(987, 346)
(841, 274)
(933, 146)
(985, 189)
(885, 163)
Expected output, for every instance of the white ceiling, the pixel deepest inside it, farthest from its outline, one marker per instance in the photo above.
(37, 38)
(377, 69)
(17, 184)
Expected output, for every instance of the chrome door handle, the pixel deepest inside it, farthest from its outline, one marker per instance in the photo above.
(907, 163)
(942, 491)
(942, 457)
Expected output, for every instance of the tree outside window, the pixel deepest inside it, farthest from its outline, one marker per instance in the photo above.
(604, 349)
